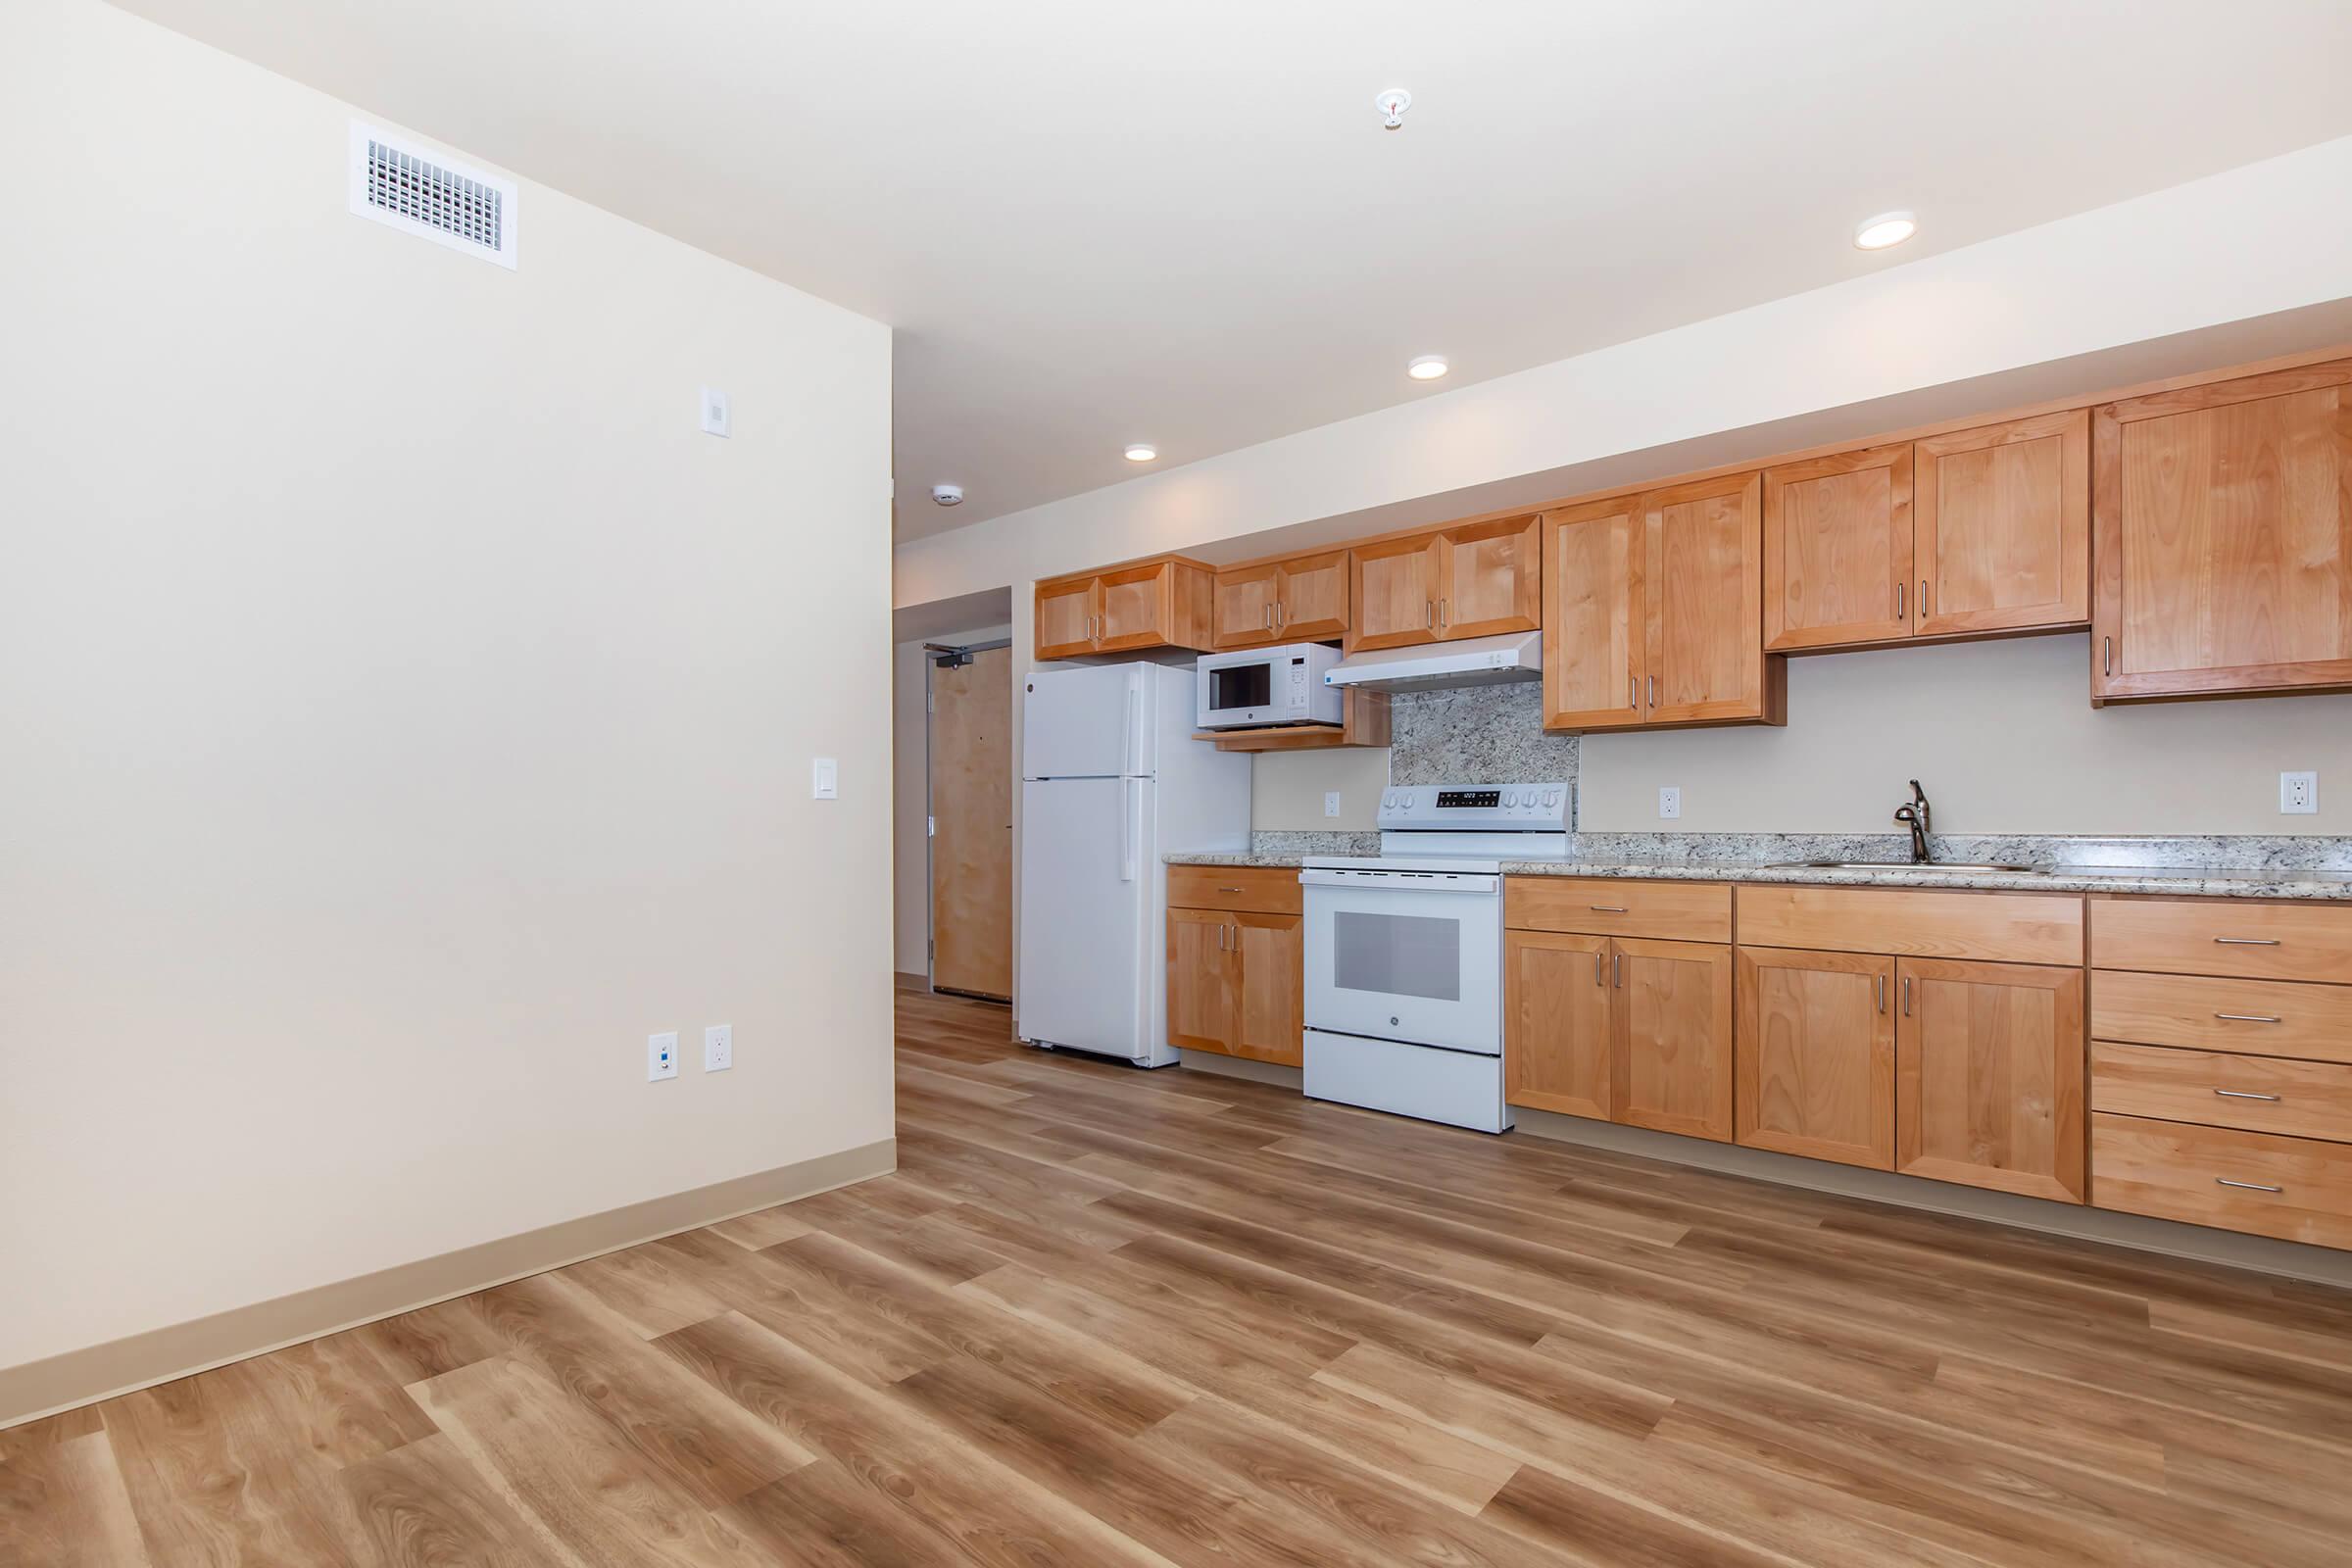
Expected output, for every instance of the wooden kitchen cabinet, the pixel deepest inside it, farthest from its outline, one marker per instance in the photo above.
(1237, 963)
(1837, 540)
(1478, 579)
(1301, 600)
(1670, 1037)
(2001, 526)
(1556, 1040)
(1163, 603)
(1816, 1054)
(1989, 1076)
(1269, 1015)
(2222, 532)
(1652, 606)
(1204, 980)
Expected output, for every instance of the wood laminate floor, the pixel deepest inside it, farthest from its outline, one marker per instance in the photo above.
(1102, 1317)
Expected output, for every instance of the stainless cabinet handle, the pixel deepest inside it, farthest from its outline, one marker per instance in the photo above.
(1607, 908)
(1440, 615)
(1898, 601)
(2247, 941)
(1617, 969)
(1653, 691)
(1906, 995)
(2244, 1094)
(1600, 967)
(2251, 1187)
(1428, 614)
(2107, 647)
(2247, 1018)
(1282, 615)
(1881, 984)
(1633, 692)
(1269, 617)
(1921, 606)
(1229, 889)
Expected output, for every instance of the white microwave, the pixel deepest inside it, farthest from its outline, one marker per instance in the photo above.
(1257, 686)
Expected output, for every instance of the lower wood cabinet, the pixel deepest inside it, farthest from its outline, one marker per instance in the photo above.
(1556, 998)
(1236, 974)
(1989, 1076)
(1620, 1029)
(1816, 1054)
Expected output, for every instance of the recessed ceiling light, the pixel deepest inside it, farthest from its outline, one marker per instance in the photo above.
(1428, 367)
(1142, 452)
(1887, 228)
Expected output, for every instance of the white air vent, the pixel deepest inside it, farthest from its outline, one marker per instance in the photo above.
(393, 182)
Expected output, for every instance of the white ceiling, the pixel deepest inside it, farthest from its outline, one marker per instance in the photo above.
(1097, 222)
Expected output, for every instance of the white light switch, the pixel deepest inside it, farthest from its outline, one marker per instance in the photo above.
(660, 1056)
(1330, 803)
(2298, 794)
(719, 1047)
(1670, 799)
(825, 780)
(719, 417)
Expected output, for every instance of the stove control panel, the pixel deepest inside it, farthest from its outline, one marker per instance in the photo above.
(1539, 808)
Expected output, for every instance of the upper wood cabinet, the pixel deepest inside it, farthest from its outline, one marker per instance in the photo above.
(1838, 549)
(1652, 606)
(2001, 526)
(1302, 600)
(1151, 603)
(2222, 528)
(1972, 532)
(1989, 1076)
(1476, 580)
(1816, 1054)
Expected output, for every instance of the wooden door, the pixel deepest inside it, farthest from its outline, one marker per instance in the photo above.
(1670, 1056)
(1065, 618)
(1394, 589)
(1313, 604)
(1592, 621)
(1988, 1075)
(972, 825)
(1243, 606)
(2001, 526)
(1838, 549)
(1489, 578)
(1269, 1022)
(1136, 608)
(2222, 537)
(1556, 1022)
(1701, 590)
(1817, 1054)
(1204, 980)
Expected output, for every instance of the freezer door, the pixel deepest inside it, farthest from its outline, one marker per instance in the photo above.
(1085, 885)
(1084, 724)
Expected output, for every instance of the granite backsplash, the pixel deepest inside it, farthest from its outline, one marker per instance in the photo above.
(1476, 735)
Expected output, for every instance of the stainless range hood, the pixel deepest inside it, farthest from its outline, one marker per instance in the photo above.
(1472, 661)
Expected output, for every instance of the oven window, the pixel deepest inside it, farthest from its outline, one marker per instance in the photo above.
(1397, 955)
(1241, 686)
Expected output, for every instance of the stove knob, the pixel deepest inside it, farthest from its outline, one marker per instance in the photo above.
(1551, 796)
(1510, 798)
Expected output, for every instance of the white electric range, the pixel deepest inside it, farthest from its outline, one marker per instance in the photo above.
(1405, 949)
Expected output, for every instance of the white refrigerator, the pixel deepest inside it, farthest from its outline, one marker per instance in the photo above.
(1111, 779)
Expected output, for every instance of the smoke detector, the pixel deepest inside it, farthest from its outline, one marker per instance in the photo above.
(1392, 101)
(947, 495)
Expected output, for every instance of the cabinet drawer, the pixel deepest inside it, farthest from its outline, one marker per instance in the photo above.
(2005, 927)
(2252, 1017)
(1257, 889)
(1672, 911)
(2224, 936)
(2296, 1188)
(2259, 1094)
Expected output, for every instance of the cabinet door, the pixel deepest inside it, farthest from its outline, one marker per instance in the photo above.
(1702, 591)
(1136, 608)
(1243, 606)
(1394, 590)
(2222, 537)
(1204, 980)
(2001, 526)
(1817, 1054)
(1838, 549)
(1592, 623)
(1065, 618)
(1556, 1022)
(1988, 1076)
(1491, 578)
(1313, 606)
(1269, 1015)
(1670, 1057)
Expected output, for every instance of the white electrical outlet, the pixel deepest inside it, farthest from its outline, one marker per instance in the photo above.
(660, 1056)
(1330, 803)
(1670, 799)
(719, 1047)
(718, 413)
(2298, 794)
(824, 779)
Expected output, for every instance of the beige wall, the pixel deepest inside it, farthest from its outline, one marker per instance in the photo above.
(407, 709)
(1285, 789)
(911, 738)
(2002, 735)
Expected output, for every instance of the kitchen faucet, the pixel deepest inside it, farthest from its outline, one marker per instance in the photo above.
(1916, 816)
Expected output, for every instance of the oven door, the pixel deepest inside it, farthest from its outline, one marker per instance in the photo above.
(1408, 955)
(1241, 689)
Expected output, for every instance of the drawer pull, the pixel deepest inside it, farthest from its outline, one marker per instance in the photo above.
(2251, 1187)
(2243, 1094)
(2247, 941)
(2247, 1018)
(1229, 889)
(1607, 908)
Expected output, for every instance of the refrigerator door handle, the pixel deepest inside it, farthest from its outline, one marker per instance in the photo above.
(1128, 801)
(1131, 758)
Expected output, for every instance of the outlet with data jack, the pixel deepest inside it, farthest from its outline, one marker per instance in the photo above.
(660, 1056)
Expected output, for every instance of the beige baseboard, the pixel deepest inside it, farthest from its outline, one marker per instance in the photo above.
(2199, 1242)
(1257, 1072)
(141, 1360)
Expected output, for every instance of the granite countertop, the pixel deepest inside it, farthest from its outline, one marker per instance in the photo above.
(2272, 882)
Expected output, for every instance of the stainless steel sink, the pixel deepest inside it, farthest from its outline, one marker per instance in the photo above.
(1951, 867)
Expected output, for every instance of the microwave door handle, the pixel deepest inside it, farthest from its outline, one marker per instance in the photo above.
(1128, 832)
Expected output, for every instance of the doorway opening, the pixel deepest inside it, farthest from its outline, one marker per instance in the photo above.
(969, 805)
